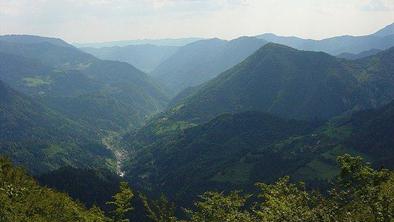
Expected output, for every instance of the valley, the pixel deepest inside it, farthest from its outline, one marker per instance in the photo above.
(112, 142)
(255, 128)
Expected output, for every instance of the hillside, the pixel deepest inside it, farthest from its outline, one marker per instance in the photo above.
(201, 61)
(94, 187)
(41, 139)
(144, 57)
(282, 81)
(216, 154)
(382, 39)
(292, 84)
(234, 151)
(22, 199)
(386, 31)
(352, 56)
(64, 77)
(279, 80)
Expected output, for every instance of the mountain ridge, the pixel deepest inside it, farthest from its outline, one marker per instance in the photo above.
(201, 61)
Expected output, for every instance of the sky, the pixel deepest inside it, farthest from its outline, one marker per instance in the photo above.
(110, 20)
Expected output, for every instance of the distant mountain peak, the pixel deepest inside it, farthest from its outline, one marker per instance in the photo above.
(388, 30)
(33, 39)
(275, 47)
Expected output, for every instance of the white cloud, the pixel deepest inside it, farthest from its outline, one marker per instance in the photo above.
(103, 20)
(379, 5)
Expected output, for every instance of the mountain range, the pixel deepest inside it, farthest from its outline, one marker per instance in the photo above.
(292, 84)
(189, 65)
(144, 57)
(158, 42)
(208, 114)
(211, 140)
(78, 84)
(233, 151)
(382, 39)
(201, 61)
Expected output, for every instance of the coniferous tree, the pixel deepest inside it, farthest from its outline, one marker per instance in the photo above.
(122, 203)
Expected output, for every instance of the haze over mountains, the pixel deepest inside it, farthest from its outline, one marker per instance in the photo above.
(203, 60)
(158, 42)
(145, 57)
(382, 39)
(293, 84)
(199, 61)
(282, 81)
(41, 139)
(180, 117)
(79, 84)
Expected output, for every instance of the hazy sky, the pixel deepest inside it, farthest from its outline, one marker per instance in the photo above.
(106, 20)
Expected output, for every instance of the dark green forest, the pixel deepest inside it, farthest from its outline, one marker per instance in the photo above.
(358, 193)
(254, 129)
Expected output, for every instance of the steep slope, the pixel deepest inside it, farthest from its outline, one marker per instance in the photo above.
(367, 133)
(235, 151)
(31, 39)
(293, 84)
(212, 155)
(94, 187)
(32, 77)
(386, 31)
(144, 57)
(41, 140)
(22, 199)
(360, 55)
(201, 61)
(65, 78)
(382, 40)
(279, 80)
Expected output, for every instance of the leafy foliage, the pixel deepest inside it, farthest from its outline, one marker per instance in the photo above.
(122, 203)
(217, 207)
(93, 187)
(22, 199)
(359, 194)
(160, 210)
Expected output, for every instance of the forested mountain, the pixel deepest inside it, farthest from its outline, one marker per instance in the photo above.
(201, 61)
(94, 187)
(78, 84)
(213, 155)
(382, 39)
(286, 82)
(158, 42)
(293, 84)
(360, 55)
(41, 139)
(233, 151)
(386, 31)
(173, 128)
(31, 39)
(22, 199)
(144, 57)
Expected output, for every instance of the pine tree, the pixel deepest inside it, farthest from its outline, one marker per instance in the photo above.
(122, 203)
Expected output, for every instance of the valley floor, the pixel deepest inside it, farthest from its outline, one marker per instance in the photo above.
(111, 142)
